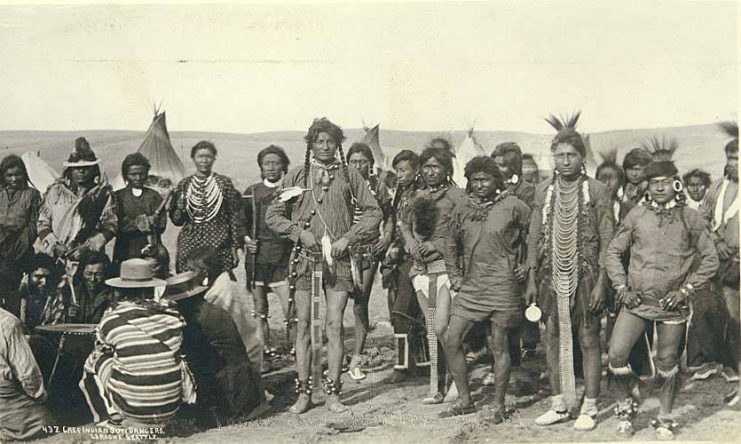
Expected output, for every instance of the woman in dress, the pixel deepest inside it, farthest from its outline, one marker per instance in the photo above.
(367, 255)
(19, 214)
(207, 206)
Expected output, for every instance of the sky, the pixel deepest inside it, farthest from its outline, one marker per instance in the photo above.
(411, 66)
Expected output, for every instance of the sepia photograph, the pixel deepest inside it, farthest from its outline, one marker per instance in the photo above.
(369, 222)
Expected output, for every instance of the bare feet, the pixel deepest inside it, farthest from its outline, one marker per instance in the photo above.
(302, 404)
(334, 405)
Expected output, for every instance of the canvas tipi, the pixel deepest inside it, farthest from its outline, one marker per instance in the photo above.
(40, 174)
(467, 150)
(156, 147)
(371, 138)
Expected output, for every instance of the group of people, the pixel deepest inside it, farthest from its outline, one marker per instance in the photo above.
(638, 245)
(125, 338)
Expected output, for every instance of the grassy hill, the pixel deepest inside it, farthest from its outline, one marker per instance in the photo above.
(701, 146)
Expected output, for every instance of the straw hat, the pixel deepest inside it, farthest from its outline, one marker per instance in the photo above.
(136, 273)
(182, 286)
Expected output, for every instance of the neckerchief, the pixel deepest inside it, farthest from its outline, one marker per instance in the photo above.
(665, 211)
(481, 209)
(323, 171)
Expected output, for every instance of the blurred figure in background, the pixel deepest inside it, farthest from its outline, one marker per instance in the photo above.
(634, 166)
(530, 172)
(696, 182)
(367, 255)
(721, 208)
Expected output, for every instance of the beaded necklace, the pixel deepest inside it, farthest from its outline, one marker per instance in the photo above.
(204, 198)
(565, 202)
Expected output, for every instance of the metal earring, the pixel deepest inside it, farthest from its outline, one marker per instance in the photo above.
(677, 185)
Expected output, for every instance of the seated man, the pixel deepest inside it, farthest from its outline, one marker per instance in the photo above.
(136, 376)
(22, 394)
(88, 297)
(41, 301)
(228, 384)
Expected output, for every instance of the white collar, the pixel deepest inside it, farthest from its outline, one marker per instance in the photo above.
(270, 184)
(671, 204)
(137, 192)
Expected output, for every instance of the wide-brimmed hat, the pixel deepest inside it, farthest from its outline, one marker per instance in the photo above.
(182, 286)
(82, 156)
(136, 273)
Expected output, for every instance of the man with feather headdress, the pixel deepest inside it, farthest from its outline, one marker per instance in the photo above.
(78, 211)
(671, 257)
(570, 228)
(721, 208)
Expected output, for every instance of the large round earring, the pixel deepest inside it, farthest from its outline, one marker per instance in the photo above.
(677, 185)
(514, 179)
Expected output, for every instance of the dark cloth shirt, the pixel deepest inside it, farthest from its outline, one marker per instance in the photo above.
(485, 252)
(272, 249)
(130, 240)
(19, 215)
(663, 250)
(92, 307)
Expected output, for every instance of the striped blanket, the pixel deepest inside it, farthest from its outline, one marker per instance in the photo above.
(136, 369)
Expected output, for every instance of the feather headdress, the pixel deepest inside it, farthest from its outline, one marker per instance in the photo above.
(563, 122)
(661, 148)
(567, 133)
(730, 128)
(82, 155)
(610, 156)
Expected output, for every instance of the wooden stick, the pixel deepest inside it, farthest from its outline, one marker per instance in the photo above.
(316, 325)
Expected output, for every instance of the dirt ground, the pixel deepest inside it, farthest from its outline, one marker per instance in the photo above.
(382, 412)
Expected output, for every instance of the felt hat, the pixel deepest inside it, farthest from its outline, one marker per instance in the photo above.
(82, 156)
(182, 286)
(136, 273)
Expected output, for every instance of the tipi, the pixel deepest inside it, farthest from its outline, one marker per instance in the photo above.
(40, 174)
(372, 139)
(467, 150)
(156, 147)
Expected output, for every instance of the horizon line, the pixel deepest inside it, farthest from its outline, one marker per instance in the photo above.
(431, 131)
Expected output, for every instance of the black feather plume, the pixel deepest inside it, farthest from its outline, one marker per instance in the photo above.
(661, 148)
(563, 122)
(730, 127)
(425, 217)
